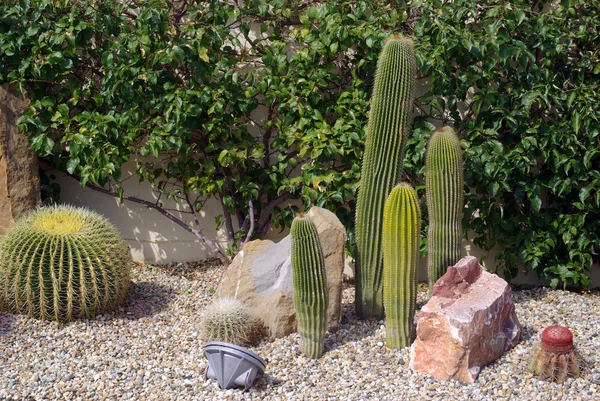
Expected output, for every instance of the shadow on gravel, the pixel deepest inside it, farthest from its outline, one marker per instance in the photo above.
(146, 299)
(6, 323)
(191, 270)
(354, 329)
(266, 382)
(528, 332)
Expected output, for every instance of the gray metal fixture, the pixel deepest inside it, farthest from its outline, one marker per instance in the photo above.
(232, 365)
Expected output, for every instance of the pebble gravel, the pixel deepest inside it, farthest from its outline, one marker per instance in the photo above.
(149, 350)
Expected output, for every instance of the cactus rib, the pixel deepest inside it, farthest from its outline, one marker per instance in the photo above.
(401, 238)
(310, 286)
(445, 201)
(389, 125)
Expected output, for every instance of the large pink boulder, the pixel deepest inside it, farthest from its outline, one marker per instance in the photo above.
(469, 322)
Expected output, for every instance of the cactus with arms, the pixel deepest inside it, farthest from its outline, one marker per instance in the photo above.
(401, 238)
(445, 202)
(310, 286)
(389, 125)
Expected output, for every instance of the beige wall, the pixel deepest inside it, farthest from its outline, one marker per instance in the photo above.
(155, 239)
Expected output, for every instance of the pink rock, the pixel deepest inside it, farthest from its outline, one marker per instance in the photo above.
(469, 322)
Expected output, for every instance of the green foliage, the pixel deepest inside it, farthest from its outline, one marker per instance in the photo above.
(401, 238)
(169, 89)
(310, 286)
(227, 320)
(520, 82)
(61, 263)
(179, 92)
(445, 202)
(389, 126)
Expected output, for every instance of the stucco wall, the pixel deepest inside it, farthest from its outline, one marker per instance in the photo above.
(155, 239)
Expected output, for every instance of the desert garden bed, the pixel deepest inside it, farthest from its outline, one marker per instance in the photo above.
(150, 349)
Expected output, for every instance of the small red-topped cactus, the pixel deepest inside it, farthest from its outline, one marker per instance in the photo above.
(557, 339)
(556, 357)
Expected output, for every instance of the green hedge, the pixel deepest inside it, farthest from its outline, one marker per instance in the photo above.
(109, 84)
(528, 76)
(170, 86)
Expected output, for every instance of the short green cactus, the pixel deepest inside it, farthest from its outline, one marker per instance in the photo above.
(445, 201)
(310, 286)
(389, 125)
(401, 238)
(227, 320)
(61, 263)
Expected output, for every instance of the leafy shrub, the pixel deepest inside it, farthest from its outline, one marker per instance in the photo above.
(177, 90)
(169, 87)
(61, 263)
(519, 81)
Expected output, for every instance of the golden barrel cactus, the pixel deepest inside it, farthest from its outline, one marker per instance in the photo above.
(61, 263)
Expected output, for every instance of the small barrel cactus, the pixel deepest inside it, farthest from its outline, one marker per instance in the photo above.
(227, 320)
(390, 121)
(445, 202)
(310, 286)
(63, 262)
(556, 357)
(401, 237)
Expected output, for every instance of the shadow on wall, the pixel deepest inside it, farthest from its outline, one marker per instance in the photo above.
(152, 237)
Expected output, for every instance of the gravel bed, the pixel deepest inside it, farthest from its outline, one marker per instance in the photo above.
(149, 350)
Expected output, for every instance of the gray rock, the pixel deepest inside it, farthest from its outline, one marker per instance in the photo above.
(261, 276)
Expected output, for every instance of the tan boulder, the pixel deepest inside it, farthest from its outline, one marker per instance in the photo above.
(19, 176)
(468, 323)
(261, 276)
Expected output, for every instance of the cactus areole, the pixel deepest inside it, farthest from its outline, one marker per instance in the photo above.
(557, 340)
(389, 125)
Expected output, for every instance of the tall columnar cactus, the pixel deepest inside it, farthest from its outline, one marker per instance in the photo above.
(401, 238)
(310, 286)
(389, 125)
(445, 201)
(61, 263)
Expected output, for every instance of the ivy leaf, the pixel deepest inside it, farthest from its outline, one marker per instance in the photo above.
(575, 120)
(536, 202)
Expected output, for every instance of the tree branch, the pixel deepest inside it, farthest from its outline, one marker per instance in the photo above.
(213, 247)
(265, 216)
(251, 230)
(228, 224)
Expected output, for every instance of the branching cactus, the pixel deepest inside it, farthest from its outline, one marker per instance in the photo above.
(445, 201)
(61, 263)
(401, 238)
(310, 286)
(389, 125)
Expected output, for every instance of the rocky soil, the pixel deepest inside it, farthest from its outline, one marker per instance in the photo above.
(149, 350)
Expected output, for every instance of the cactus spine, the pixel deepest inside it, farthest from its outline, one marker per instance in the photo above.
(227, 320)
(401, 238)
(61, 263)
(389, 125)
(445, 202)
(310, 286)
